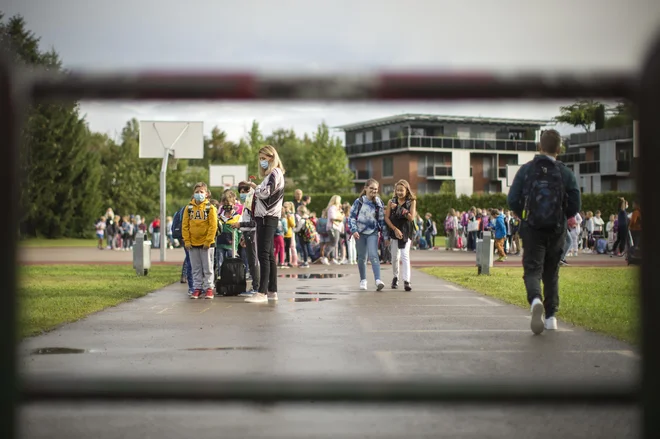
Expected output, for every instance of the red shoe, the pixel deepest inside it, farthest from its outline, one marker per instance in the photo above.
(209, 293)
(196, 294)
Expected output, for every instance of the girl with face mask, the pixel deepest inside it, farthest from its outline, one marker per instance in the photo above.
(248, 227)
(267, 208)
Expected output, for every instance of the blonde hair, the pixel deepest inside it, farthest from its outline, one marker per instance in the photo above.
(405, 184)
(335, 200)
(270, 151)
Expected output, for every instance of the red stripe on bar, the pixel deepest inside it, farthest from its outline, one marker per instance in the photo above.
(220, 85)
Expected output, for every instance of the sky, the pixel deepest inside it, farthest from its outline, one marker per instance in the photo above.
(311, 36)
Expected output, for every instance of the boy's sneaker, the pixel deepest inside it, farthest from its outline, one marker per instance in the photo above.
(209, 294)
(501, 259)
(249, 293)
(196, 294)
(551, 323)
(272, 296)
(406, 286)
(379, 285)
(190, 292)
(363, 284)
(257, 298)
(537, 324)
(395, 283)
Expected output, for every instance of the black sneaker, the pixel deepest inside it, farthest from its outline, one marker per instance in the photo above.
(563, 263)
(406, 286)
(395, 283)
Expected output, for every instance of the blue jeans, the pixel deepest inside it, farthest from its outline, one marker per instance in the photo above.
(222, 254)
(188, 269)
(367, 245)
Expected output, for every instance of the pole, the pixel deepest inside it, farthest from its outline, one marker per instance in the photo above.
(163, 205)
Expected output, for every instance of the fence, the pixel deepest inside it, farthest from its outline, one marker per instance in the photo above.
(18, 88)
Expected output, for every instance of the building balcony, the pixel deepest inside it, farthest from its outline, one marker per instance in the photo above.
(621, 133)
(361, 176)
(447, 143)
(590, 168)
(623, 166)
(572, 157)
(439, 171)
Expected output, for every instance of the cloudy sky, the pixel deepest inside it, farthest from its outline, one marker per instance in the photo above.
(338, 35)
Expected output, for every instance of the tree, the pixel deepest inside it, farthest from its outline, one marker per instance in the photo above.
(60, 193)
(326, 163)
(292, 153)
(580, 114)
(621, 115)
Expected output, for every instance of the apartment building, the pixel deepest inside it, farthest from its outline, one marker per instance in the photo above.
(430, 150)
(602, 160)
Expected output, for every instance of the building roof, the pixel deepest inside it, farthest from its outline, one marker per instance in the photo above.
(434, 118)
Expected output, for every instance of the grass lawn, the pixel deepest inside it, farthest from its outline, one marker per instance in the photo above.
(599, 299)
(54, 294)
(65, 242)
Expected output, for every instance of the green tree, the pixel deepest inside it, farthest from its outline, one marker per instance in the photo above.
(60, 192)
(327, 164)
(621, 115)
(292, 152)
(580, 114)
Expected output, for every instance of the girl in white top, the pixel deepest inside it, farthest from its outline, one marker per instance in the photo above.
(599, 224)
(335, 224)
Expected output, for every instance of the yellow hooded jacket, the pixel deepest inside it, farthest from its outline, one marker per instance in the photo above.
(200, 224)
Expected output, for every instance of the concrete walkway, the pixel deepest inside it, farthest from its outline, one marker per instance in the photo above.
(323, 326)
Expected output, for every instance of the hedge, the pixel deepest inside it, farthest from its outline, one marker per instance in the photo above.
(439, 205)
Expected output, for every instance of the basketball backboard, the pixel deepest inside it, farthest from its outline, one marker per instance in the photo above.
(186, 139)
(227, 175)
(511, 171)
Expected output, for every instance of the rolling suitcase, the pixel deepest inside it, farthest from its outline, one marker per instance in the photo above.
(231, 281)
(634, 253)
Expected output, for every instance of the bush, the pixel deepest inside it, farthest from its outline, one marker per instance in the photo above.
(438, 204)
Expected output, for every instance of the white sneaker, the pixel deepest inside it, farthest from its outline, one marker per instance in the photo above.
(537, 316)
(551, 323)
(336, 262)
(324, 261)
(257, 298)
(248, 293)
(379, 285)
(363, 284)
(272, 296)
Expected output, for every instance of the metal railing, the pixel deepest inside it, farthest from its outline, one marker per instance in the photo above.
(442, 143)
(362, 175)
(19, 88)
(439, 171)
(623, 166)
(590, 168)
(619, 133)
(572, 157)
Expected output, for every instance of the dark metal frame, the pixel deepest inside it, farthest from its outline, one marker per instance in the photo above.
(18, 88)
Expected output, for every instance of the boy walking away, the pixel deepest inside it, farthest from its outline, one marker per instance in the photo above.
(544, 194)
(200, 224)
(500, 233)
(248, 228)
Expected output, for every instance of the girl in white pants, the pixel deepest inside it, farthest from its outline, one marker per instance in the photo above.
(399, 215)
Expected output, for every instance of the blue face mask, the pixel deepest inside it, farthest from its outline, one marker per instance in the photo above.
(243, 197)
(264, 164)
(199, 197)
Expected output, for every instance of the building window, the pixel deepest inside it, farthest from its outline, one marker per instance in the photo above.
(387, 191)
(388, 166)
(359, 138)
(421, 166)
(470, 171)
(385, 134)
(421, 188)
(369, 137)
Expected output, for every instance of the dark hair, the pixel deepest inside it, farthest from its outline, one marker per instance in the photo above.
(305, 198)
(244, 187)
(551, 142)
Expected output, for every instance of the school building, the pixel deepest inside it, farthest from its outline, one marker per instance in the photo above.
(602, 160)
(430, 150)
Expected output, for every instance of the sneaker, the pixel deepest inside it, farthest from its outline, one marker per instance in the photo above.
(501, 259)
(563, 263)
(272, 296)
(363, 284)
(551, 323)
(196, 294)
(537, 316)
(336, 262)
(190, 292)
(257, 298)
(184, 280)
(406, 286)
(249, 293)
(209, 294)
(395, 283)
(379, 285)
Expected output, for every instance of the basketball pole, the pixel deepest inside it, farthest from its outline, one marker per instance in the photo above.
(163, 191)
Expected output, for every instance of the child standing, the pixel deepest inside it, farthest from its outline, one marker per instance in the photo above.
(278, 242)
(500, 233)
(100, 231)
(399, 216)
(248, 228)
(228, 238)
(200, 224)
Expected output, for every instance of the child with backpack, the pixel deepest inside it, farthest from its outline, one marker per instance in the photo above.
(544, 194)
(228, 236)
(248, 227)
(451, 224)
(177, 233)
(200, 224)
(399, 217)
(367, 220)
(278, 242)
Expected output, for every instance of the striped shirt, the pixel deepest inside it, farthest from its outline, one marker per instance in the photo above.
(269, 195)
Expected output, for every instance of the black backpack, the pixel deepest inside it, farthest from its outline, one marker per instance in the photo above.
(177, 224)
(545, 195)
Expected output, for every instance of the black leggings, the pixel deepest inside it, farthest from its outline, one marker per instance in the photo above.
(287, 250)
(266, 227)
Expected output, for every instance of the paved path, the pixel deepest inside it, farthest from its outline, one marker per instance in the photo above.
(323, 326)
(420, 258)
